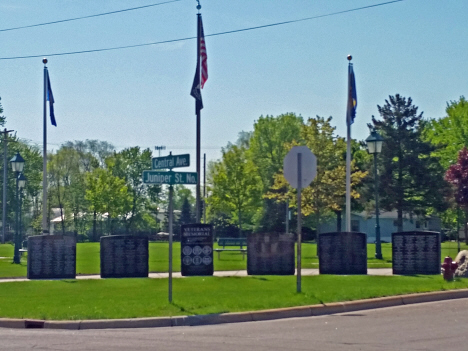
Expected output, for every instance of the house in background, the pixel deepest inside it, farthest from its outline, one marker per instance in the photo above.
(365, 223)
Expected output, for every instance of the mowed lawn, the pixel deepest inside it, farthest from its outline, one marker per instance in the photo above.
(144, 297)
(88, 259)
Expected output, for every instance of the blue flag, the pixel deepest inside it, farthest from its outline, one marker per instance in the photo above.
(50, 98)
(352, 97)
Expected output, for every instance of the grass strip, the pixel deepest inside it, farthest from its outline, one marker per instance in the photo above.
(88, 260)
(143, 297)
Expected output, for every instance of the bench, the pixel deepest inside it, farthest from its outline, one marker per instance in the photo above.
(232, 242)
(242, 251)
(21, 251)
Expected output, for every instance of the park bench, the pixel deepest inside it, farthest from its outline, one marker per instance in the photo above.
(242, 251)
(241, 242)
(232, 242)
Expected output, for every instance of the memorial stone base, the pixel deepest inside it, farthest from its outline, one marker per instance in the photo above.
(416, 253)
(270, 254)
(342, 253)
(124, 256)
(51, 257)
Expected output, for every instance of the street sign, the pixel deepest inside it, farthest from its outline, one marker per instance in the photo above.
(171, 161)
(308, 166)
(155, 177)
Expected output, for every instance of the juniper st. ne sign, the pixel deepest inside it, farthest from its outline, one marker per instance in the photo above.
(171, 161)
(155, 177)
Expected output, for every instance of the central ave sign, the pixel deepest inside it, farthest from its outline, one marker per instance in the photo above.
(155, 177)
(171, 161)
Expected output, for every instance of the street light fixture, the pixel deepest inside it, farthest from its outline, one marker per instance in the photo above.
(374, 147)
(17, 163)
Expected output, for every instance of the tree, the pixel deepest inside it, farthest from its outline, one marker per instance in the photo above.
(411, 180)
(107, 194)
(450, 133)
(326, 192)
(235, 186)
(129, 165)
(457, 175)
(267, 150)
(2, 118)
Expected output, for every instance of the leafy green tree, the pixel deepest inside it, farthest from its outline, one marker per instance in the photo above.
(450, 133)
(235, 188)
(33, 172)
(412, 179)
(2, 118)
(326, 192)
(129, 165)
(107, 194)
(267, 151)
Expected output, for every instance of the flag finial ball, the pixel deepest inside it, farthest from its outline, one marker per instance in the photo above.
(44, 61)
(350, 57)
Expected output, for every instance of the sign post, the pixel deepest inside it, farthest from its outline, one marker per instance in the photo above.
(299, 168)
(170, 177)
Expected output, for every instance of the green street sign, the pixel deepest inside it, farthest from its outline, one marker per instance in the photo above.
(171, 161)
(155, 177)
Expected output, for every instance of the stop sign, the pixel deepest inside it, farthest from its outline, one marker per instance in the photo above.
(308, 166)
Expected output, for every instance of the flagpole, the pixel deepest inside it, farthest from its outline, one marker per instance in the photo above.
(197, 205)
(348, 157)
(44, 152)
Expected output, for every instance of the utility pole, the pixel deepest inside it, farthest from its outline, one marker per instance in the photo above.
(5, 179)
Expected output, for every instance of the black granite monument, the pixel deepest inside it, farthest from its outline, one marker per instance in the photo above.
(51, 257)
(416, 253)
(342, 253)
(270, 254)
(196, 249)
(124, 256)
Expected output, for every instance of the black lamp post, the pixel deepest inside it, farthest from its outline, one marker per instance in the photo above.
(21, 184)
(374, 147)
(17, 163)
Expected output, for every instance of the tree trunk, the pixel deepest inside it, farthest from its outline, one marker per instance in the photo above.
(94, 227)
(338, 221)
(400, 220)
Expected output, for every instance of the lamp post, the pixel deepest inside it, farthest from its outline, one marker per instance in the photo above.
(374, 147)
(17, 163)
(21, 184)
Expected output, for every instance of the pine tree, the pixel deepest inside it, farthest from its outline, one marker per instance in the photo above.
(411, 180)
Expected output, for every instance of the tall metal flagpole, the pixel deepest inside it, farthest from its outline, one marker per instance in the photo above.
(348, 157)
(45, 229)
(198, 207)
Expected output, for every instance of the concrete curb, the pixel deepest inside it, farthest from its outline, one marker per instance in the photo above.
(239, 317)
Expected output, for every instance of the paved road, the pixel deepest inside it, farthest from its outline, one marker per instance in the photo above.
(430, 326)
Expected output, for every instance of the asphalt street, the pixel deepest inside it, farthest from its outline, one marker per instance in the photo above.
(426, 326)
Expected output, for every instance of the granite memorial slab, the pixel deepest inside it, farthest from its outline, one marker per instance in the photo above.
(416, 252)
(342, 253)
(270, 254)
(51, 257)
(124, 256)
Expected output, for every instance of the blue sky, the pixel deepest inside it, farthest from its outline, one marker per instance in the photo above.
(140, 96)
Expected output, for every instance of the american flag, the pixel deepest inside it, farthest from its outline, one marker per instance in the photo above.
(203, 56)
(201, 73)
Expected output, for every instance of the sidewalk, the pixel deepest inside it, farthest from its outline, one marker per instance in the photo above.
(241, 273)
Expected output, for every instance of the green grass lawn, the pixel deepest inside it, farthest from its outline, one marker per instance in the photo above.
(143, 297)
(88, 261)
